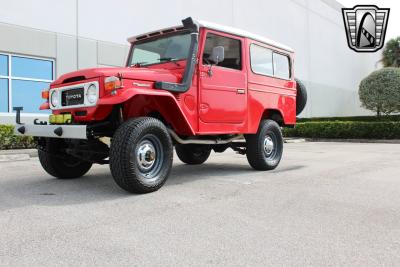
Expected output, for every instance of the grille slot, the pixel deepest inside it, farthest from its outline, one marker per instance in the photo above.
(74, 79)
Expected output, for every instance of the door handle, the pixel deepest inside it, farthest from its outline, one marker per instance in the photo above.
(240, 91)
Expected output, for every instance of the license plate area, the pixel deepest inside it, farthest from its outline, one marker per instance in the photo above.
(73, 97)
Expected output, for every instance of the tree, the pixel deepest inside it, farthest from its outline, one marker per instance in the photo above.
(380, 91)
(391, 53)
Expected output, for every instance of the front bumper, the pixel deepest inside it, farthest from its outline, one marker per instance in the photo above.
(52, 131)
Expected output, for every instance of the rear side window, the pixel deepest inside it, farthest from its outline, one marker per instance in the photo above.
(232, 49)
(266, 62)
(261, 60)
(281, 66)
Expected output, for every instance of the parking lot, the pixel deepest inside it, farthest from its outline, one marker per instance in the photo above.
(326, 204)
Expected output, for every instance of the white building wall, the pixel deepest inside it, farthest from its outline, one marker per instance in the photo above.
(314, 28)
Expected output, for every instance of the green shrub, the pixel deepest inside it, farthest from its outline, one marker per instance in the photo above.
(346, 130)
(380, 91)
(10, 141)
(354, 118)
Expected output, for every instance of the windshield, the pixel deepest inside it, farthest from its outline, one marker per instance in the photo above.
(164, 49)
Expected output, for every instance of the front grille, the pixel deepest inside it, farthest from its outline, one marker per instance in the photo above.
(73, 97)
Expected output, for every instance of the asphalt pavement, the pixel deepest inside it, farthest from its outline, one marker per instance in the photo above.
(330, 204)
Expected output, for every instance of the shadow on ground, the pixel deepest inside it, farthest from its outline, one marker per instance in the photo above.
(98, 185)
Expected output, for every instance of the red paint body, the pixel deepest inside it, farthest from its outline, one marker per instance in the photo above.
(211, 106)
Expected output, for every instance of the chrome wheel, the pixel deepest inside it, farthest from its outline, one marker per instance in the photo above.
(149, 156)
(270, 145)
(146, 155)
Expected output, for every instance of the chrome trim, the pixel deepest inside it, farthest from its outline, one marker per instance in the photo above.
(68, 131)
(141, 84)
(75, 86)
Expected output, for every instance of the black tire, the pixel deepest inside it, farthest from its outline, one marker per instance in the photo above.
(141, 155)
(301, 97)
(193, 154)
(58, 164)
(261, 154)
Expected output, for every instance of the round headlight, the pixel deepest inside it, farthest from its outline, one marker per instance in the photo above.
(54, 98)
(91, 94)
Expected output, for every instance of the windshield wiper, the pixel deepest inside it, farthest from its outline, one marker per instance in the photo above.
(139, 64)
(169, 59)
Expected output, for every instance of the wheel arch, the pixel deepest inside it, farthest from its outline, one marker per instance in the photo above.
(273, 114)
(163, 107)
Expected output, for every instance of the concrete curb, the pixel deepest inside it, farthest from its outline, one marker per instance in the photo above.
(294, 140)
(377, 141)
(17, 154)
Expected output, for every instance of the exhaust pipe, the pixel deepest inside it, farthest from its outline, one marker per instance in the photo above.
(203, 142)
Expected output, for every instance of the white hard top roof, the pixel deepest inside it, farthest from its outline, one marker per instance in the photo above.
(218, 27)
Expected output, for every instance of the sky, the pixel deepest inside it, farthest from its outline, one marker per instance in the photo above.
(393, 29)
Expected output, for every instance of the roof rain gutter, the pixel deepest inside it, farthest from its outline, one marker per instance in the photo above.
(182, 87)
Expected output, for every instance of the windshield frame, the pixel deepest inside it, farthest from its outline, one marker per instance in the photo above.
(161, 36)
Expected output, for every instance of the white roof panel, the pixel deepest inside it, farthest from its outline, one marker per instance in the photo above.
(243, 33)
(218, 27)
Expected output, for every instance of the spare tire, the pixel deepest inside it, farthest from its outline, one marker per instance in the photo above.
(301, 96)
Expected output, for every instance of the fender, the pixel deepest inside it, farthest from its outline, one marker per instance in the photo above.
(136, 102)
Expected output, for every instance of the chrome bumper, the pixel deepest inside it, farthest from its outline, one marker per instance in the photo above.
(53, 131)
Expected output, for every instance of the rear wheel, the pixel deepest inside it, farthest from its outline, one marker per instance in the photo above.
(141, 155)
(193, 154)
(58, 164)
(265, 148)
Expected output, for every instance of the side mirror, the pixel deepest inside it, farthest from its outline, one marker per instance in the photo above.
(218, 54)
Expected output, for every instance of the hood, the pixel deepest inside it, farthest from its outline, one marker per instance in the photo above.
(148, 74)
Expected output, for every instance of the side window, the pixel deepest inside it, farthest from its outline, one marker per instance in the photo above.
(281, 66)
(232, 47)
(261, 60)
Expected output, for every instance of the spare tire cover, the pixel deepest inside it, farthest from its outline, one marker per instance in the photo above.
(301, 96)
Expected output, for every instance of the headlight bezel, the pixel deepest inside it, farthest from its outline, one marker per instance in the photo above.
(54, 98)
(92, 91)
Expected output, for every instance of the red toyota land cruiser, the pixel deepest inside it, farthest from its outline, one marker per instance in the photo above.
(198, 87)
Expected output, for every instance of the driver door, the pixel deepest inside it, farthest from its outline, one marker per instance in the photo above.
(223, 86)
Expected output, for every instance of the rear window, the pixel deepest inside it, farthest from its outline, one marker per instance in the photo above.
(281, 66)
(264, 61)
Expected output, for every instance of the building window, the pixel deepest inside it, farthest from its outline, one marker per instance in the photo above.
(21, 81)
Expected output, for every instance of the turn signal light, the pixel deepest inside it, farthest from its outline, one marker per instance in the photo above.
(112, 83)
(45, 94)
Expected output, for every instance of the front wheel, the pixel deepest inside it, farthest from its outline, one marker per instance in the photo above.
(265, 148)
(141, 155)
(58, 164)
